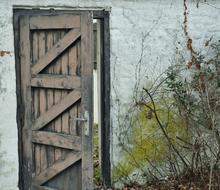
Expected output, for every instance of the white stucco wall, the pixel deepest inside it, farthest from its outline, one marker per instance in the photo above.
(160, 21)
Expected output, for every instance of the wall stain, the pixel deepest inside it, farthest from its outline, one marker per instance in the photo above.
(189, 42)
(3, 53)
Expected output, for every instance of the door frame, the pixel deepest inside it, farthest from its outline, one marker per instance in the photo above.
(98, 13)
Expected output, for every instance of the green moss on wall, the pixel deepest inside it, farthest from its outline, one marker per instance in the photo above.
(146, 143)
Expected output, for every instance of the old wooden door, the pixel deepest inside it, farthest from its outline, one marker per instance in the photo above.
(56, 90)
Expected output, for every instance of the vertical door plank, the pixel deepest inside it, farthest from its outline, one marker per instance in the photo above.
(78, 57)
(65, 115)
(35, 54)
(26, 101)
(72, 71)
(72, 60)
(87, 86)
(78, 73)
(57, 98)
(73, 122)
(50, 101)
(43, 104)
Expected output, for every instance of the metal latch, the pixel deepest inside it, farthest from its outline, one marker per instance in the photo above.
(85, 119)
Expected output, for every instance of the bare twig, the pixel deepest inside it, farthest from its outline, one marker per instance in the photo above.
(162, 128)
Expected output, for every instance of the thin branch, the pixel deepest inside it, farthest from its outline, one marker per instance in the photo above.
(162, 128)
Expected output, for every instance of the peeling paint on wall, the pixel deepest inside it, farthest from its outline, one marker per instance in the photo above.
(5, 166)
(2, 89)
(2, 86)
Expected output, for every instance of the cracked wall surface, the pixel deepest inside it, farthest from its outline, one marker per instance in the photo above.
(145, 36)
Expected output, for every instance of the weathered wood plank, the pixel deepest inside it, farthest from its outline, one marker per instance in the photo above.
(79, 104)
(36, 94)
(72, 115)
(57, 168)
(26, 100)
(66, 21)
(87, 94)
(65, 115)
(57, 139)
(57, 98)
(56, 50)
(42, 100)
(56, 110)
(50, 101)
(78, 61)
(56, 81)
(73, 62)
(35, 52)
(37, 187)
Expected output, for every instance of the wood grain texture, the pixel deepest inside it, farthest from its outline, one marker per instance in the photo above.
(26, 99)
(42, 99)
(57, 97)
(72, 61)
(58, 82)
(36, 96)
(19, 109)
(50, 99)
(56, 50)
(57, 139)
(56, 110)
(65, 115)
(55, 22)
(78, 73)
(72, 72)
(87, 96)
(37, 187)
(56, 168)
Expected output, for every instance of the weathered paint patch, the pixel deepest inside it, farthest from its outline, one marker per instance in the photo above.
(2, 89)
(5, 166)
